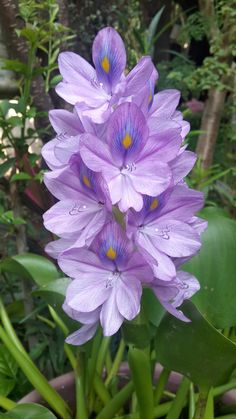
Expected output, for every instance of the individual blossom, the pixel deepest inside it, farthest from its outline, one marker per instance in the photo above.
(83, 206)
(97, 90)
(173, 293)
(163, 229)
(131, 162)
(108, 277)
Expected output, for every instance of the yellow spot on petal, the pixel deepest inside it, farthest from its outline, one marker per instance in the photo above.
(150, 98)
(111, 253)
(127, 141)
(106, 64)
(86, 181)
(154, 204)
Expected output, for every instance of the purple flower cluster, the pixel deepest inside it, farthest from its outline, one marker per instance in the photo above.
(125, 218)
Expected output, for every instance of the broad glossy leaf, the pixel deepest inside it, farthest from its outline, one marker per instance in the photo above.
(28, 411)
(195, 349)
(6, 386)
(8, 365)
(215, 268)
(31, 266)
(153, 309)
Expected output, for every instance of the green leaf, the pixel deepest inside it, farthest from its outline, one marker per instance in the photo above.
(6, 165)
(32, 267)
(195, 349)
(215, 268)
(5, 105)
(20, 176)
(153, 26)
(8, 365)
(136, 334)
(6, 386)
(28, 411)
(54, 295)
(15, 121)
(153, 309)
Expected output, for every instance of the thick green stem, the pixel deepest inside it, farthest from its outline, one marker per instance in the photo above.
(160, 387)
(140, 365)
(81, 408)
(116, 363)
(180, 400)
(115, 404)
(102, 354)
(101, 389)
(201, 404)
(6, 403)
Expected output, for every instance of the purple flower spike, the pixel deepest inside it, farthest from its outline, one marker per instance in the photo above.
(121, 150)
(131, 163)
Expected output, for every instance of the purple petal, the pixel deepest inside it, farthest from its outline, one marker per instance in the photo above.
(127, 132)
(86, 318)
(162, 265)
(151, 177)
(128, 297)
(109, 57)
(87, 294)
(165, 145)
(182, 204)
(139, 76)
(70, 217)
(83, 335)
(64, 150)
(138, 268)
(129, 197)
(198, 224)
(165, 103)
(85, 91)
(56, 247)
(110, 317)
(48, 153)
(175, 238)
(83, 264)
(182, 165)
(65, 122)
(73, 67)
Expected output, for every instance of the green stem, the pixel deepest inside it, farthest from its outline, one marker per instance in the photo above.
(101, 389)
(201, 404)
(116, 362)
(192, 404)
(36, 378)
(180, 400)
(6, 403)
(162, 381)
(140, 365)
(115, 404)
(81, 409)
(102, 354)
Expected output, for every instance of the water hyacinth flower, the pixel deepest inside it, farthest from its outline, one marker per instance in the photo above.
(102, 87)
(119, 158)
(108, 276)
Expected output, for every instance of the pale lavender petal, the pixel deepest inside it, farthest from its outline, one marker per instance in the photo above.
(128, 296)
(86, 318)
(87, 294)
(175, 238)
(151, 177)
(130, 198)
(65, 122)
(198, 224)
(138, 268)
(83, 335)
(109, 57)
(64, 150)
(110, 317)
(182, 165)
(182, 204)
(165, 103)
(162, 265)
(91, 94)
(56, 247)
(165, 145)
(139, 76)
(73, 67)
(48, 153)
